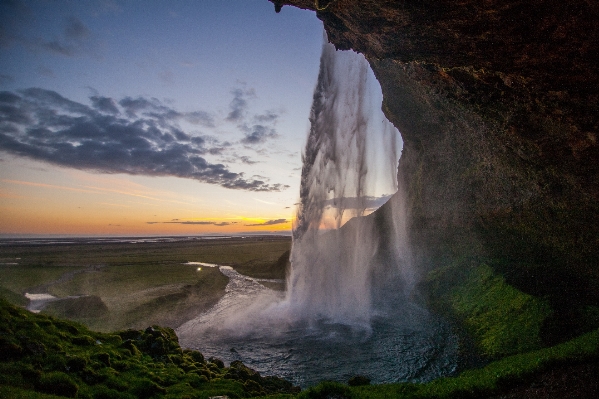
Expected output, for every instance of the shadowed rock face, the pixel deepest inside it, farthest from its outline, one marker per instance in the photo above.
(497, 102)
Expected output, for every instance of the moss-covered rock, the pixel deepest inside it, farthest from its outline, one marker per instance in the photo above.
(64, 358)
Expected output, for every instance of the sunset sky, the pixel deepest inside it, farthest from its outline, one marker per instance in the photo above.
(153, 118)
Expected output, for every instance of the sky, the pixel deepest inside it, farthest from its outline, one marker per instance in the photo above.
(153, 118)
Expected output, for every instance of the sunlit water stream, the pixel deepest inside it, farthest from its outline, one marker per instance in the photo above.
(408, 345)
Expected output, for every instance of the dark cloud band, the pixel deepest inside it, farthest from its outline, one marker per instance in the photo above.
(269, 223)
(194, 222)
(137, 136)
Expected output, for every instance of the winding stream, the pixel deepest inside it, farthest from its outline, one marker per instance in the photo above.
(247, 324)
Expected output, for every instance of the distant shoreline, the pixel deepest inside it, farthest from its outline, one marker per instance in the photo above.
(75, 240)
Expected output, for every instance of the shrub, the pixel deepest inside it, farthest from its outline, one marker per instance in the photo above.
(57, 383)
(195, 355)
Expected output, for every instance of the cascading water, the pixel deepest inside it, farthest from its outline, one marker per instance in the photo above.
(347, 309)
(351, 154)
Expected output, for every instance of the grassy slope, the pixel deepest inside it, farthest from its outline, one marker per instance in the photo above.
(505, 326)
(134, 285)
(271, 270)
(140, 295)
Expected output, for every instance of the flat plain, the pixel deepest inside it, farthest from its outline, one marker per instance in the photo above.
(116, 285)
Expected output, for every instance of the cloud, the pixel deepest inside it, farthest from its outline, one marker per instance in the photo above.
(258, 128)
(258, 134)
(153, 108)
(268, 223)
(4, 79)
(75, 30)
(74, 40)
(104, 104)
(47, 72)
(269, 116)
(246, 160)
(239, 104)
(195, 222)
(137, 136)
(190, 222)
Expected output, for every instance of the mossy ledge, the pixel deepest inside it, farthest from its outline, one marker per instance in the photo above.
(44, 355)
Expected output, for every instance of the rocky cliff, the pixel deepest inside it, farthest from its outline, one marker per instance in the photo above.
(497, 102)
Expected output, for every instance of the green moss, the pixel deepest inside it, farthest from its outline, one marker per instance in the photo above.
(37, 371)
(57, 357)
(502, 319)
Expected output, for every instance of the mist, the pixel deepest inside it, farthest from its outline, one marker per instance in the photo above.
(348, 306)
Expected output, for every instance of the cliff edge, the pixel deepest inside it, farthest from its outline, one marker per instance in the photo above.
(497, 103)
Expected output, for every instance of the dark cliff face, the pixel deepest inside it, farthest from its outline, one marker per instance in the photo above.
(497, 102)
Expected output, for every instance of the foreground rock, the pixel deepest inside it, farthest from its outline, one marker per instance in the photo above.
(498, 106)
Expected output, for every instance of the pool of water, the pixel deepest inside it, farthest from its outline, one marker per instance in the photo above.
(405, 343)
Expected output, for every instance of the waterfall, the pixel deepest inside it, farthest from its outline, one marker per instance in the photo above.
(347, 308)
(350, 158)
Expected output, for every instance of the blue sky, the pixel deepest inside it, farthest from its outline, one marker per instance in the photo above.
(153, 117)
(238, 77)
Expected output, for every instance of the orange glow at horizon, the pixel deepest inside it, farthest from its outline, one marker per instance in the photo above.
(87, 204)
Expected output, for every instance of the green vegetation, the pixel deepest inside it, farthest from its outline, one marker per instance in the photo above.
(13, 297)
(496, 377)
(272, 270)
(28, 274)
(138, 295)
(136, 285)
(501, 319)
(44, 355)
(132, 285)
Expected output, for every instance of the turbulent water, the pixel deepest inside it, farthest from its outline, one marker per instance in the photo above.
(305, 353)
(348, 308)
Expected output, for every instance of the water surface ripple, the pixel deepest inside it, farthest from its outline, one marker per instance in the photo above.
(406, 344)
